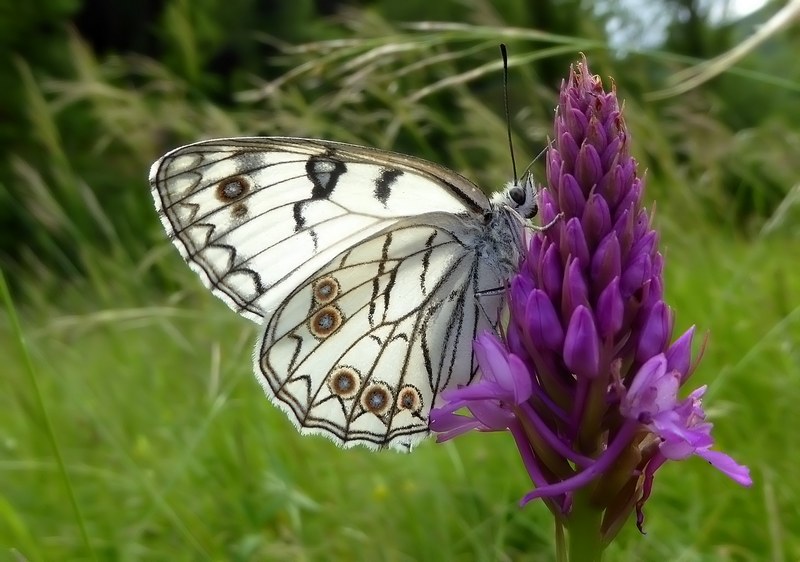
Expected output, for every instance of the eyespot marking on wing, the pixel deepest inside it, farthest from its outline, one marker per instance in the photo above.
(325, 289)
(377, 398)
(409, 398)
(325, 321)
(344, 382)
(232, 189)
(239, 211)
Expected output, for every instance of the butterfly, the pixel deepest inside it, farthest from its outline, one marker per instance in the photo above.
(370, 272)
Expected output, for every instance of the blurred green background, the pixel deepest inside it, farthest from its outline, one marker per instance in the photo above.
(130, 426)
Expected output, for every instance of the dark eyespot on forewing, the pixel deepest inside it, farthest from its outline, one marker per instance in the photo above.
(233, 188)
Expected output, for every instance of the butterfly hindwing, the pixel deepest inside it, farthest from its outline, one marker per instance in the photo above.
(362, 350)
(255, 217)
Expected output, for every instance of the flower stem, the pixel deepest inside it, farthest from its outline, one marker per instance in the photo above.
(583, 529)
(561, 544)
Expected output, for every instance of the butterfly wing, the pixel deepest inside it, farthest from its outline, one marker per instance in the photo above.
(360, 352)
(256, 217)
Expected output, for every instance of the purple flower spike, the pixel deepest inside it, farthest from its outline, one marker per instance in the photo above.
(679, 354)
(550, 272)
(582, 346)
(596, 219)
(610, 310)
(571, 199)
(655, 332)
(606, 262)
(588, 376)
(542, 322)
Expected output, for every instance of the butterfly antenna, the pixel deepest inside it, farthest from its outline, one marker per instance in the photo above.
(504, 54)
(529, 166)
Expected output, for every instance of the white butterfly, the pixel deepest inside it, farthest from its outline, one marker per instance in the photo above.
(369, 271)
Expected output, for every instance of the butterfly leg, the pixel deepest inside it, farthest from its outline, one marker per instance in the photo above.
(542, 228)
(498, 295)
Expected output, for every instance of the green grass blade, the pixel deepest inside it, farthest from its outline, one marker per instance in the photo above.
(30, 369)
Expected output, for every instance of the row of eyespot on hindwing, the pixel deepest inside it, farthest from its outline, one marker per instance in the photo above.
(345, 381)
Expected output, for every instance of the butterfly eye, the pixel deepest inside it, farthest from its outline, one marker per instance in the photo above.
(517, 195)
(526, 202)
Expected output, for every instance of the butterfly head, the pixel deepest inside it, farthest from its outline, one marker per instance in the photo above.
(520, 196)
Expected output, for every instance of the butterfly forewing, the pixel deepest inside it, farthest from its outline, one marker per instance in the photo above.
(255, 217)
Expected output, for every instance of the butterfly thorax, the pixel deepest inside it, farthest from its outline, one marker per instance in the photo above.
(501, 243)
